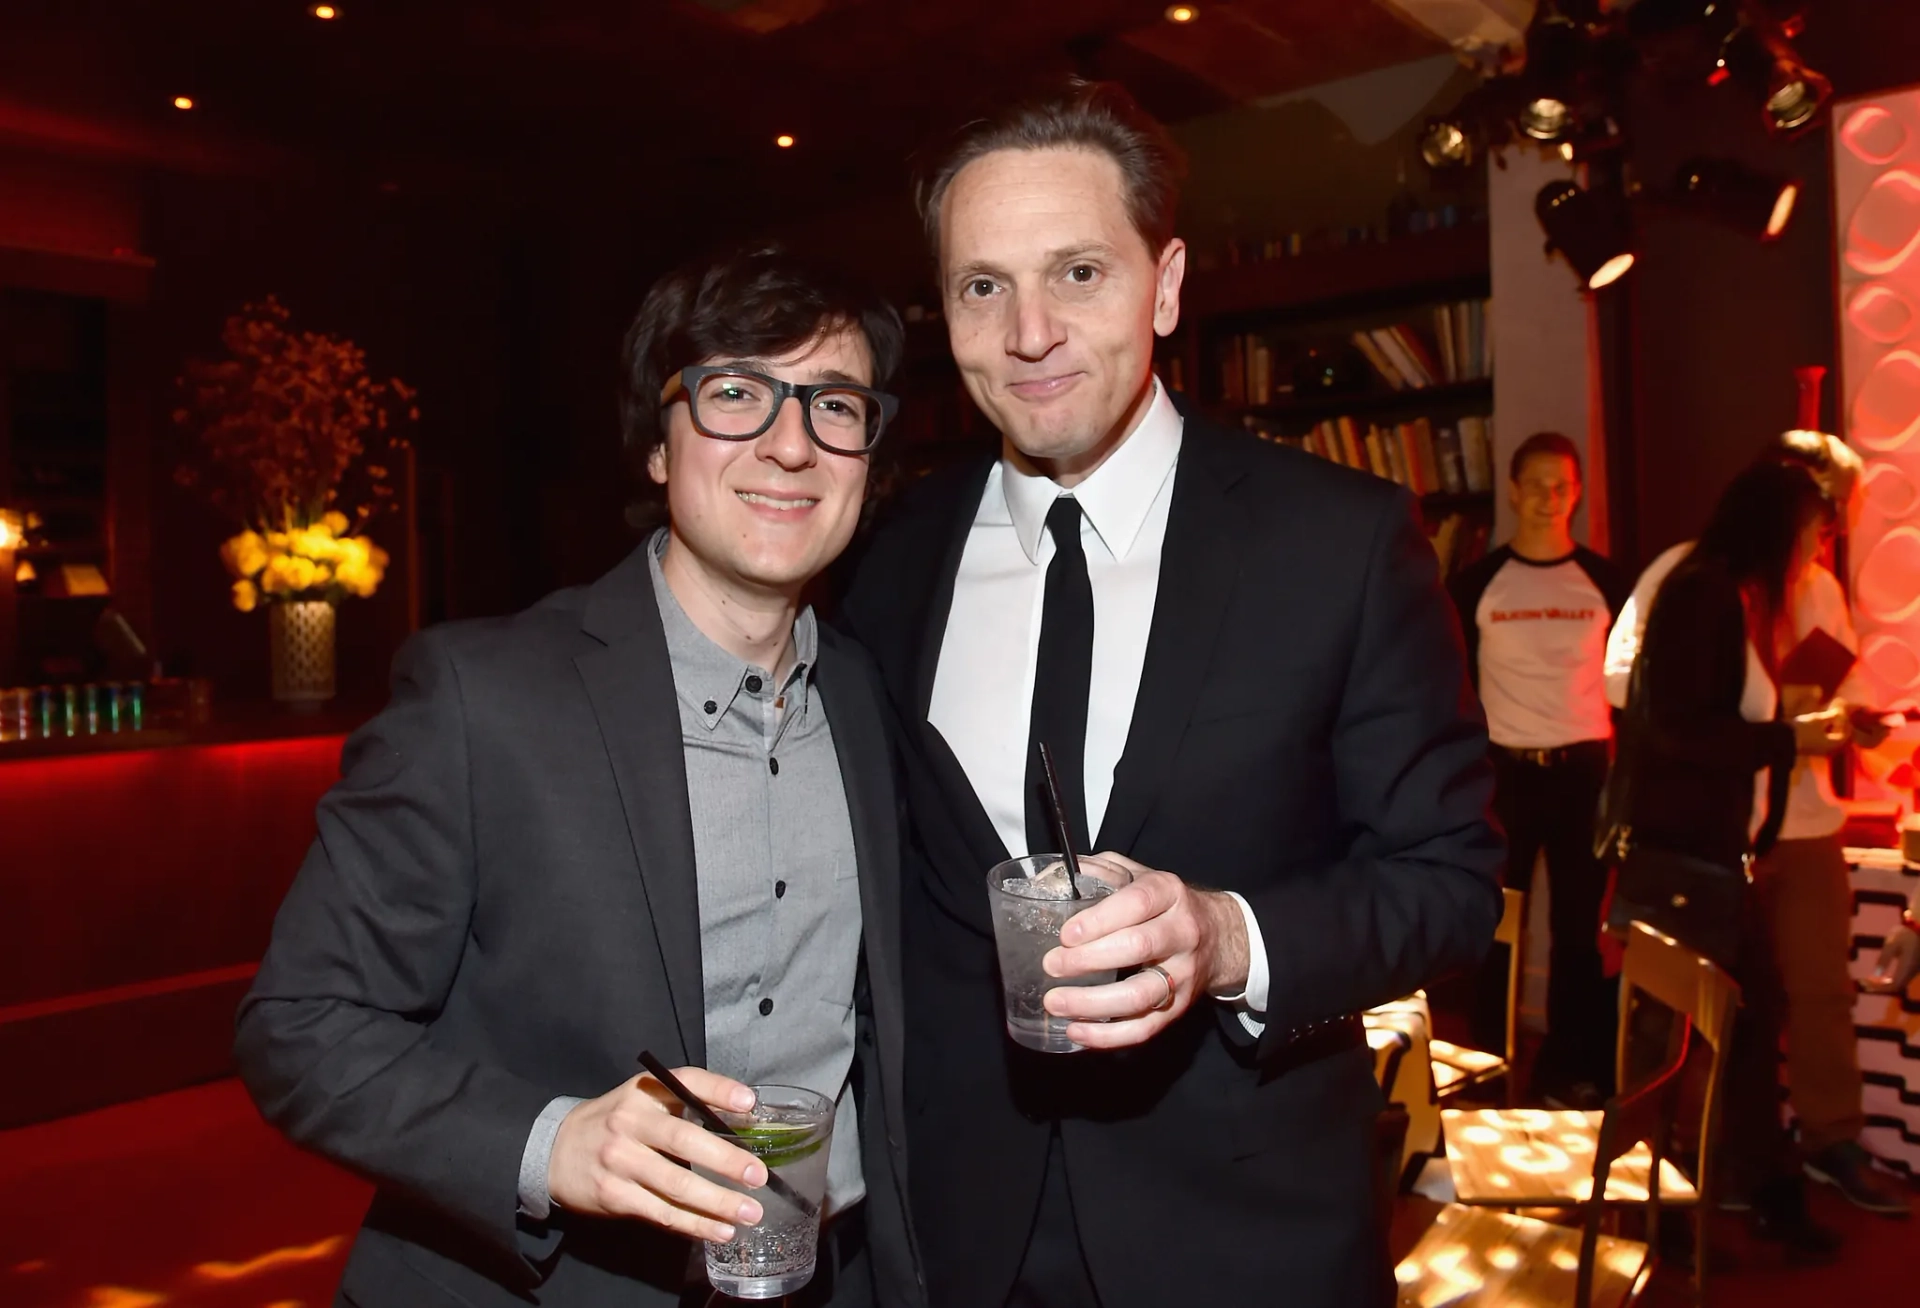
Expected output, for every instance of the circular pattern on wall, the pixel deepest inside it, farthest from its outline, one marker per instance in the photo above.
(1892, 659)
(1887, 584)
(1881, 313)
(1885, 229)
(1873, 134)
(1886, 408)
(1888, 490)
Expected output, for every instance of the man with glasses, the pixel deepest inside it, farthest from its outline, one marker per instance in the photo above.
(650, 813)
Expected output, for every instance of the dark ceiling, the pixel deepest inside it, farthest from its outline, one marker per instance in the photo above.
(443, 94)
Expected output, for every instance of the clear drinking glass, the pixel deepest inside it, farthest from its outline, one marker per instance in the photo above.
(791, 1131)
(1031, 902)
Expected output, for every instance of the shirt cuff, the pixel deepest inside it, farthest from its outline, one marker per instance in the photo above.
(535, 1201)
(1252, 1001)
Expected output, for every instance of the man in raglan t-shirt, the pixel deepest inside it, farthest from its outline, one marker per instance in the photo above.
(1536, 613)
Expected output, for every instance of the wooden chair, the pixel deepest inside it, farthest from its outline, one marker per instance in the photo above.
(1457, 1068)
(1481, 1257)
(1535, 1158)
(1484, 1258)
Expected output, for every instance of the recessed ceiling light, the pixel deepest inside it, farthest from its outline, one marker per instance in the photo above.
(1181, 13)
(784, 141)
(183, 102)
(324, 12)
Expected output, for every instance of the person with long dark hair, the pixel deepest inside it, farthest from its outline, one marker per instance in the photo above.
(1705, 723)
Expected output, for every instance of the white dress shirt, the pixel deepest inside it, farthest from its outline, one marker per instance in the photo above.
(983, 689)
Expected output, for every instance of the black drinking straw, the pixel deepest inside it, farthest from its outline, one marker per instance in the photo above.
(716, 1124)
(1057, 812)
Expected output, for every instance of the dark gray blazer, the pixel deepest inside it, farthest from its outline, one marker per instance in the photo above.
(499, 908)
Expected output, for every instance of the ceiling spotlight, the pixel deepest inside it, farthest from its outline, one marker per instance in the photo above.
(1445, 144)
(1545, 118)
(1762, 61)
(784, 141)
(183, 102)
(1795, 96)
(325, 13)
(1743, 198)
(1181, 13)
(1589, 228)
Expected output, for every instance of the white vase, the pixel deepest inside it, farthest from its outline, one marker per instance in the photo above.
(300, 644)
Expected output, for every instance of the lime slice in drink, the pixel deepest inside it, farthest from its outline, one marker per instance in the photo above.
(778, 1143)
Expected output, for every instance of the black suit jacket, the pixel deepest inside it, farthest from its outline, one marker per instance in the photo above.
(1304, 734)
(500, 908)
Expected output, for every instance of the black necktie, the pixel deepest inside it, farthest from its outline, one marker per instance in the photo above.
(1060, 680)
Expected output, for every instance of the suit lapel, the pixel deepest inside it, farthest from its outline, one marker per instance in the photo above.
(860, 744)
(1199, 568)
(629, 681)
(976, 829)
(940, 602)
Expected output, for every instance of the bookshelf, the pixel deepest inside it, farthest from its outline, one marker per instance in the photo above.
(1375, 355)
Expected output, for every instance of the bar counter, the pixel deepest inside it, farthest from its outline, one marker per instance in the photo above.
(139, 876)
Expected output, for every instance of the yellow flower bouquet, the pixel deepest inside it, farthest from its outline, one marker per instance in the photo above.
(318, 562)
(292, 426)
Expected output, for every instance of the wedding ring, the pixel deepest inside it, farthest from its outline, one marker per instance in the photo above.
(1166, 1003)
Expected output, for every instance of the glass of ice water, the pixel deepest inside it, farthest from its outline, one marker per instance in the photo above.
(791, 1131)
(1031, 902)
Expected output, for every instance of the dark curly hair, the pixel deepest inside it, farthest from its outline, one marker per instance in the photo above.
(758, 301)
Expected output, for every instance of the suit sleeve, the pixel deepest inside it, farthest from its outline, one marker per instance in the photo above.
(335, 1041)
(1418, 893)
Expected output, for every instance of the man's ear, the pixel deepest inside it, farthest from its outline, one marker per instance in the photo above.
(657, 464)
(1170, 271)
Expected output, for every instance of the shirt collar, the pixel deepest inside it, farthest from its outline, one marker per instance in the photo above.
(710, 679)
(1116, 496)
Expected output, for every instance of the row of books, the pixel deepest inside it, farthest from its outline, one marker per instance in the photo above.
(1407, 358)
(1457, 349)
(1452, 460)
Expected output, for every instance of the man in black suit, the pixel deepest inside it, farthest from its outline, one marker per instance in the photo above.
(651, 813)
(1252, 680)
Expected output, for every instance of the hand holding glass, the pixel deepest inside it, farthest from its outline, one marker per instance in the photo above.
(790, 1130)
(1031, 901)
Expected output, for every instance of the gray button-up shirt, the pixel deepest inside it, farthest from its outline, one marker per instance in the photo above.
(779, 891)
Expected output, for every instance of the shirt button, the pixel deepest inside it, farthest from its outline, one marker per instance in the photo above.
(710, 707)
(773, 766)
(779, 890)
(753, 685)
(766, 1007)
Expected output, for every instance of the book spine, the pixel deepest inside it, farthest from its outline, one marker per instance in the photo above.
(1376, 454)
(1429, 464)
(1396, 456)
(1443, 337)
(1416, 349)
(1355, 448)
(1476, 447)
(1381, 364)
(1397, 353)
(1446, 449)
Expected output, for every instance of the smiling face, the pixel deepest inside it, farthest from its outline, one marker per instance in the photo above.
(1546, 492)
(1052, 302)
(765, 515)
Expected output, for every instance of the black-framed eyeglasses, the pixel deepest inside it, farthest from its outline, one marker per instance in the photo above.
(737, 404)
